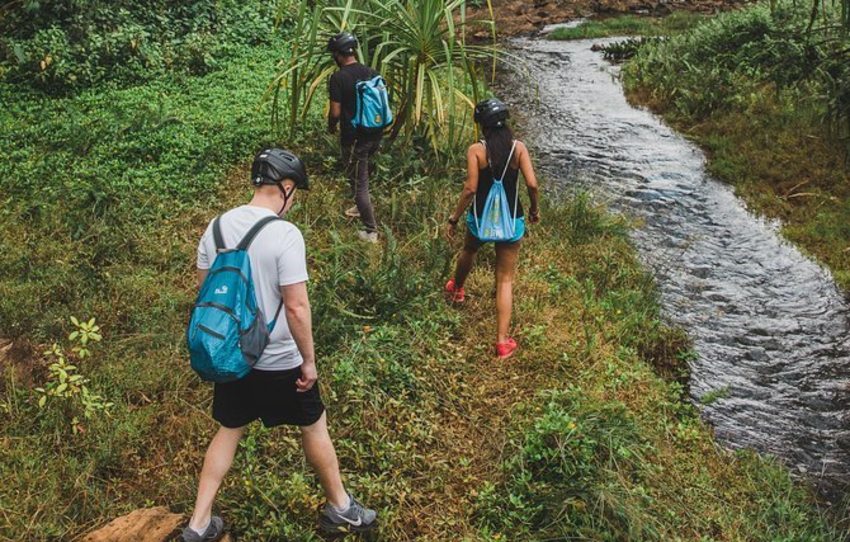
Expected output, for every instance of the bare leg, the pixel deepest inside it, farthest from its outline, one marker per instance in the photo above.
(217, 462)
(320, 453)
(466, 259)
(506, 258)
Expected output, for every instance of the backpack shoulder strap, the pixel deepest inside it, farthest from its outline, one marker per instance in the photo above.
(255, 229)
(508, 162)
(219, 239)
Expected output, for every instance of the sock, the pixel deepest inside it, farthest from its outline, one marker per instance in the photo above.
(203, 529)
(344, 508)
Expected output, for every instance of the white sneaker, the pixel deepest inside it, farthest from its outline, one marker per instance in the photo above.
(369, 237)
(352, 212)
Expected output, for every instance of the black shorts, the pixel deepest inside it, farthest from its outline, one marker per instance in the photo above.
(270, 396)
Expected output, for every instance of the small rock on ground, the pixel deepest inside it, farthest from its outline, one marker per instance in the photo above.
(144, 525)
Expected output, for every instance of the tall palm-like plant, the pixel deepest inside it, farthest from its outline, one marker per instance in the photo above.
(420, 48)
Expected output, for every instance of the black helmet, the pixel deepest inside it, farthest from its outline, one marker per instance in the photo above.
(344, 42)
(273, 166)
(491, 113)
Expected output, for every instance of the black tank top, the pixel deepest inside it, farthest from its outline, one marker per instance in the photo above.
(485, 182)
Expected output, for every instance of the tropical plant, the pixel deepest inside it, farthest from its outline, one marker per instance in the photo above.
(66, 384)
(420, 48)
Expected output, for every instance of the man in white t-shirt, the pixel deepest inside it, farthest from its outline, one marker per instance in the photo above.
(281, 389)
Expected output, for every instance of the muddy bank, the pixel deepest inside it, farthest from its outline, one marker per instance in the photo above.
(514, 17)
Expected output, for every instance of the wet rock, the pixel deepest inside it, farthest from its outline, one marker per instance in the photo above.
(144, 525)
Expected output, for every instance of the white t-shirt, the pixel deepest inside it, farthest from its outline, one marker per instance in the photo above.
(278, 258)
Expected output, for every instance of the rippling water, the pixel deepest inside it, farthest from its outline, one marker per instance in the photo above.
(769, 325)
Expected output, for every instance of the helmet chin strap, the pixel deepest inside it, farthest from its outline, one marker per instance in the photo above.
(286, 196)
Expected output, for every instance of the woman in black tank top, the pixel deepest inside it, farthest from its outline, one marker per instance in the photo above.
(497, 157)
(485, 183)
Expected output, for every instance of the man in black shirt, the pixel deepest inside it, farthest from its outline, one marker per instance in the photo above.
(358, 146)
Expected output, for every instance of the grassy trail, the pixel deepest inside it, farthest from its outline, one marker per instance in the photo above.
(576, 436)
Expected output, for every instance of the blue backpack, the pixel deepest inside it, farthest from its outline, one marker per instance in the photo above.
(227, 331)
(496, 222)
(372, 110)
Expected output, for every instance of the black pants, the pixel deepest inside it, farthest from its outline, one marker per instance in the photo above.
(357, 158)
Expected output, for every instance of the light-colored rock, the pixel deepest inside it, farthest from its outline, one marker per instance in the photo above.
(145, 525)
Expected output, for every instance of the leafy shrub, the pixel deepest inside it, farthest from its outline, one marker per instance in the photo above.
(68, 45)
(564, 477)
(66, 385)
(721, 62)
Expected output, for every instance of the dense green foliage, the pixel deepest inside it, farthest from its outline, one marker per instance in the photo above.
(105, 194)
(767, 90)
(721, 63)
(420, 48)
(581, 466)
(93, 182)
(66, 45)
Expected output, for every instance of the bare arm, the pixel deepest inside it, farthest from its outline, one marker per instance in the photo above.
(469, 188)
(202, 274)
(530, 182)
(334, 115)
(299, 318)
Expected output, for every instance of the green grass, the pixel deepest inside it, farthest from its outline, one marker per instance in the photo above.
(106, 195)
(629, 25)
(109, 174)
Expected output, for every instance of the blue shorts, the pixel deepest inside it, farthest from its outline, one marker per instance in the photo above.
(519, 228)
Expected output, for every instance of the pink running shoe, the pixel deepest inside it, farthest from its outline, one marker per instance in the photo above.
(506, 349)
(455, 295)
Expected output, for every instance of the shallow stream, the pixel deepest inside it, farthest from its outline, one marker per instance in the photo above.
(770, 328)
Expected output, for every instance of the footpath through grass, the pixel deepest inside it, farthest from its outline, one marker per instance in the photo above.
(105, 195)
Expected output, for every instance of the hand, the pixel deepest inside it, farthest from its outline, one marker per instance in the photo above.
(308, 377)
(534, 216)
(450, 231)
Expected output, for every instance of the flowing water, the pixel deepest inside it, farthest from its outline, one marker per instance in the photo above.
(769, 326)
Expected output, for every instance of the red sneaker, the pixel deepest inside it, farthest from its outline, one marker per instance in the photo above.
(456, 295)
(506, 349)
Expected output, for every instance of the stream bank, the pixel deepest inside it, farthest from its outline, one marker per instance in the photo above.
(770, 327)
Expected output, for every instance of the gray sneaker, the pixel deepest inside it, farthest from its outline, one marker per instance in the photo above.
(368, 236)
(356, 519)
(215, 530)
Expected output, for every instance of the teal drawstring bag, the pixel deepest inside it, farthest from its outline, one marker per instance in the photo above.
(497, 223)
